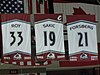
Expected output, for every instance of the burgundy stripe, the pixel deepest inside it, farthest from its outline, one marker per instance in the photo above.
(37, 6)
(39, 17)
(30, 6)
(7, 17)
(62, 1)
(46, 7)
(72, 18)
(77, 63)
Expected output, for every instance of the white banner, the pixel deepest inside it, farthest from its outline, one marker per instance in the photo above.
(82, 37)
(16, 36)
(49, 36)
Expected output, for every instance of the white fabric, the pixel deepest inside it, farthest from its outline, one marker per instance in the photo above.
(75, 30)
(42, 27)
(23, 27)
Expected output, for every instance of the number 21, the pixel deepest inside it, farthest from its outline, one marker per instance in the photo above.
(83, 36)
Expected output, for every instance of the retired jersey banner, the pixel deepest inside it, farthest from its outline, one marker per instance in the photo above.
(16, 35)
(82, 38)
(49, 36)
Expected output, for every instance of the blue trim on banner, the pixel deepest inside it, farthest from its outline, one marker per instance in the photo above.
(89, 22)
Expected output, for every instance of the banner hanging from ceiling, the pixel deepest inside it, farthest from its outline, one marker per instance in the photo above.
(49, 36)
(16, 39)
(82, 37)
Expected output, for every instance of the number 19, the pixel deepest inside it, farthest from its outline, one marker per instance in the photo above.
(51, 38)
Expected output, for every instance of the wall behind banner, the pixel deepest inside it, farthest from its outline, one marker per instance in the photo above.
(68, 8)
(79, 9)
